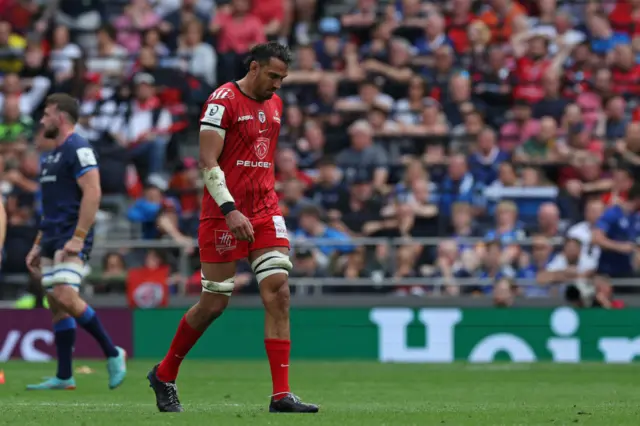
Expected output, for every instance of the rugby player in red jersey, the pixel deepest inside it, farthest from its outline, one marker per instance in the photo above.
(240, 218)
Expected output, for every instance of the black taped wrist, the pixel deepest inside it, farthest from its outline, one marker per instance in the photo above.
(228, 207)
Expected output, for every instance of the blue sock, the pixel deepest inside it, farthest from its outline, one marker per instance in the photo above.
(90, 322)
(65, 335)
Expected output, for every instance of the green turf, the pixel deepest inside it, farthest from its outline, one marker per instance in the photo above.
(349, 394)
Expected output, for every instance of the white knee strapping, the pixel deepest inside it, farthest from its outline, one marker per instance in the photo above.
(68, 273)
(225, 287)
(271, 263)
(47, 276)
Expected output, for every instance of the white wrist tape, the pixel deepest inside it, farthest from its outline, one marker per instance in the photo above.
(217, 185)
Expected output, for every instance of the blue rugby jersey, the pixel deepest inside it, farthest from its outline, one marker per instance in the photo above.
(61, 194)
(620, 226)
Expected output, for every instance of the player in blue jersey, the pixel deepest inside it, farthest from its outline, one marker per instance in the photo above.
(616, 233)
(70, 186)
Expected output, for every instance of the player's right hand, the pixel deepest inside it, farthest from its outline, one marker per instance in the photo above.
(33, 260)
(239, 226)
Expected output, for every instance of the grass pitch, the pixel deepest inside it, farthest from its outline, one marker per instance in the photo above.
(349, 394)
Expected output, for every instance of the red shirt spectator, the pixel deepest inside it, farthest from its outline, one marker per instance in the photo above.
(457, 24)
(17, 13)
(268, 10)
(529, 73)
(626, 81)
(457, 33)
(625, 17)
(625, 73)
(238, 32)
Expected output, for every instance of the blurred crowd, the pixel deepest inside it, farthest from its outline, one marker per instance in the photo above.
(504, 128)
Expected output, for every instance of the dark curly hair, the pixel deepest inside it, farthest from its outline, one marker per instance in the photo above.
(262, 53)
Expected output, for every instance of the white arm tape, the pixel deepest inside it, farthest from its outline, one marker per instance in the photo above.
(218, 130)
(217, 185)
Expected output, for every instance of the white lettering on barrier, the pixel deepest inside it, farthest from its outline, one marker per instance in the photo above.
(392, 334)
(619, 349)
(564, 322)
(487, 349)
(9, 344)
(28, 350)
(440, 331)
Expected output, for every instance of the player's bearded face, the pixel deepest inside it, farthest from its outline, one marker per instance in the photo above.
(49, 122)
(51, 131)
(264, 84)
(270, 77)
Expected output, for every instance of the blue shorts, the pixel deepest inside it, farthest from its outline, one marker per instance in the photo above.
(49, 245)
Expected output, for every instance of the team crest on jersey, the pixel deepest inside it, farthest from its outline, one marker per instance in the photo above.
(225, 241)
(262, 147)
(261, 117)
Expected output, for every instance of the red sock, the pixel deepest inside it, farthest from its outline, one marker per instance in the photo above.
(182, 343)
(278, 351)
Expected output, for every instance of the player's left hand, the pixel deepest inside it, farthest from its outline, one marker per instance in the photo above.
(73, 246)
(33, 261)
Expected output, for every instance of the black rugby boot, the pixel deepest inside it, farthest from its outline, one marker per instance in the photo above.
(166, 393)
(291, 404)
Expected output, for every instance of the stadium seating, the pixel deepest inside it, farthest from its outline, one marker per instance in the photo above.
(408, 127)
